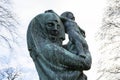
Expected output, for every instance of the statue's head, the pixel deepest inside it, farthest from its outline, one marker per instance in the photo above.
(51, 26)
(68, 15)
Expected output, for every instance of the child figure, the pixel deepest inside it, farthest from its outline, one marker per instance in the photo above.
(75, 33)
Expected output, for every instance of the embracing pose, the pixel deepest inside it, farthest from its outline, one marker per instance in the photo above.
(45, 35)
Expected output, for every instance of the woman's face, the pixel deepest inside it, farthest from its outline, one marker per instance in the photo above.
(54, 28)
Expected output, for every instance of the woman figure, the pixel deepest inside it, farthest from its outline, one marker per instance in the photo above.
(53, 62)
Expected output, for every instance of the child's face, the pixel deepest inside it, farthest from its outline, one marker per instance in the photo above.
(70, 16)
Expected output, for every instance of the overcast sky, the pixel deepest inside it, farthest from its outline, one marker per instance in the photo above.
(88, 14)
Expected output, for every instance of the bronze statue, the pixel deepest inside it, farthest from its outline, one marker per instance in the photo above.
(45, 35)
(75, 33)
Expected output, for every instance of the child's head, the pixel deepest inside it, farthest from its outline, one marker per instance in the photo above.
(68, 15)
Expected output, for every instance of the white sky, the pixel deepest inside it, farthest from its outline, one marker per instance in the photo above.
(88, 15)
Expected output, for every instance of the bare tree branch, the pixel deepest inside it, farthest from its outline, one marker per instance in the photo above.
(8, 22)
(109, 37)
(9, 74)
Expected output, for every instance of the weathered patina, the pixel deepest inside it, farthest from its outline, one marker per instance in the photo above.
(53, 61)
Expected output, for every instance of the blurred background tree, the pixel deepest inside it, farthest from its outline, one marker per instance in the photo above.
(8, 37)
(8, 22)
(10, 74)
(108, 38)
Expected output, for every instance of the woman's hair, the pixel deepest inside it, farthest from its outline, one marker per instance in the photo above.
(49, 11)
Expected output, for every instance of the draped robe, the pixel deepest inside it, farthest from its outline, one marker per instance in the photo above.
(52, 61)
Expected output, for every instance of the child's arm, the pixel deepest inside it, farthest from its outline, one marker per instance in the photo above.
(82, 32)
